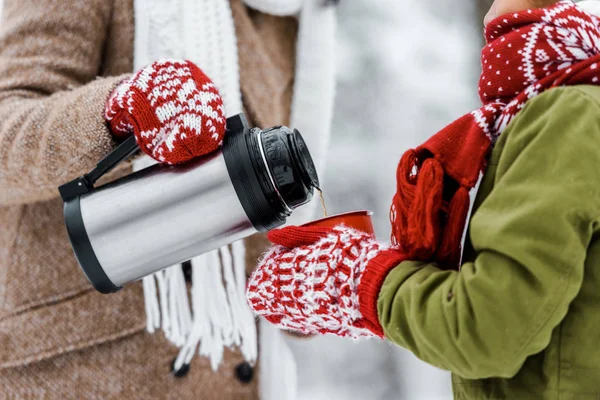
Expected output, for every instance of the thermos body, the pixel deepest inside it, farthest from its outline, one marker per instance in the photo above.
(164, 215)
(161, 216)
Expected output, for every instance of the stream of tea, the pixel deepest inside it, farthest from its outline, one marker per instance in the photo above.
(323, 207)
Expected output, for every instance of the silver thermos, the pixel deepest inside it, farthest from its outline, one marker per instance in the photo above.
(164, 215)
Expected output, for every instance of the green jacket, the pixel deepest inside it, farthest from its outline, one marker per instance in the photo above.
(521, 320)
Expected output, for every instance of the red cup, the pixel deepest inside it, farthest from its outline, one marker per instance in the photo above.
(359, 220)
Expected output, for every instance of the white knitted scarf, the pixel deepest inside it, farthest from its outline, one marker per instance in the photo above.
(203, 32)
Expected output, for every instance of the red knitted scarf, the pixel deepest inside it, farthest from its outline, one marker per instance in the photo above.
(526, 53)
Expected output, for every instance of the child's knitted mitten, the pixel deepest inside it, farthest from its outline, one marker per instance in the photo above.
(321, 280)
(173, 109)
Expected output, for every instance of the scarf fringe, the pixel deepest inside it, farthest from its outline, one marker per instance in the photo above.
(423, 224)
(417, 205)
(450, 250)
(219, 316)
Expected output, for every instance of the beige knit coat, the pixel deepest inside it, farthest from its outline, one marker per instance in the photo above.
(59, 339)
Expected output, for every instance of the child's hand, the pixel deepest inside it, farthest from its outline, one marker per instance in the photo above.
(173, 109)
(320, 280)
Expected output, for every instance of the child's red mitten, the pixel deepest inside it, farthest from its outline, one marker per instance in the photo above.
(174, 110)
(320, 280)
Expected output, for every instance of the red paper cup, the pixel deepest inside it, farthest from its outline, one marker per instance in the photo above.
(359, 220)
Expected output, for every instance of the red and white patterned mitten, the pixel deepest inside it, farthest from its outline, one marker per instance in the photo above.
(321, 280)
(174, 110)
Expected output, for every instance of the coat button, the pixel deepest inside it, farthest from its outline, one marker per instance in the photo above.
(181, 372)
(187, 270)
(244, 372)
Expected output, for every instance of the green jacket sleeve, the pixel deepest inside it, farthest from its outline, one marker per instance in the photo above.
(530, 236)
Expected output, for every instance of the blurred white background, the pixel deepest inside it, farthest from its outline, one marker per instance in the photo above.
(406, 68)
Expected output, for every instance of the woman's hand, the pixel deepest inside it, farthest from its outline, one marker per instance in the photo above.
(321, 280)
(173, 109)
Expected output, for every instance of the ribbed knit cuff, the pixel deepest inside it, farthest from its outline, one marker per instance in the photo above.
(370, 285)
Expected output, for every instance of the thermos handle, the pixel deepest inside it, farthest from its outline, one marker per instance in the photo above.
(84, 184)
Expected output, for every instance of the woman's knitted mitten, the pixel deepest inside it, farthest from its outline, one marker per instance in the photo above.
(321, 280)
(174, 110)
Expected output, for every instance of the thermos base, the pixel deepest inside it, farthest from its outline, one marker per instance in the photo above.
(83, 250)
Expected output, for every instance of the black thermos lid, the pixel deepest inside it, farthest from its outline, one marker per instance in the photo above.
(272, 171)
(290, 164)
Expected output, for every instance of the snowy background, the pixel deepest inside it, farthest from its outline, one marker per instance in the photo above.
(406, 68)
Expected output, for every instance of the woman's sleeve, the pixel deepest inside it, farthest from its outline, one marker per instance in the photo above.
(530, 235)
(51, 103)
